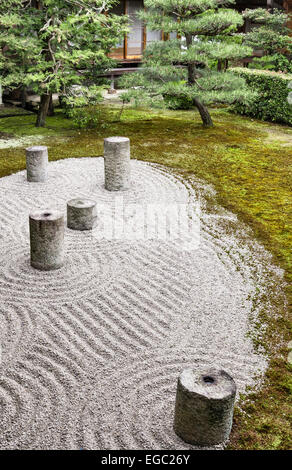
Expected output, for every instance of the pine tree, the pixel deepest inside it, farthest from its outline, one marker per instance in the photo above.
(185, 67)
(271, 35)
(50, 45)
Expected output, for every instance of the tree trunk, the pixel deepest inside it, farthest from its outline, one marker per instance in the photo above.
(1, 102)
(43, 110)
(61, 101)
(51, 110)
(23, 97)
(191, 67)
(204, 113)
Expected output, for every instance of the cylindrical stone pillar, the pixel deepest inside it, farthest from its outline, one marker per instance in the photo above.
(46, 240)
(81, 214)
(37, 164)
(117, 165)
(204, 406)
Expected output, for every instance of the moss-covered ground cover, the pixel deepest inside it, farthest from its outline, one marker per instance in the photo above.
(249, 164)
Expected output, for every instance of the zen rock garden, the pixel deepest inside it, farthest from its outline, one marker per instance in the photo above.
(144, 339)
(205, 398)
(203, 426)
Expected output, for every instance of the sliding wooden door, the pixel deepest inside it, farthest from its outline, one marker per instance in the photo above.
(135, 38)
(132, 46)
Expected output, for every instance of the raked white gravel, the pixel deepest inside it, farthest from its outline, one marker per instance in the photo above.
(90, 354)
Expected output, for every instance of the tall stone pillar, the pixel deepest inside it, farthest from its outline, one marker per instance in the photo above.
(37, 164)
(46, 240)
(117, 165)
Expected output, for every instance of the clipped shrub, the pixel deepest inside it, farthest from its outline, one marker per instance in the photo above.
(272, 101)
(82, 106)
(79, 96)
(89, 117)
(178, 102)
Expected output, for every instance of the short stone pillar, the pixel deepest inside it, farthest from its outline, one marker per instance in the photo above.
(46, 240)
(81, 214)
(117, 164)
(204, 406)
(37, 164)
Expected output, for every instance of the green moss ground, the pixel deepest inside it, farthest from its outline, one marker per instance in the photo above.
(13, 111)
(249, 164)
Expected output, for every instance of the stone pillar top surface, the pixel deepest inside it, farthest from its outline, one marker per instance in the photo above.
(81, 203)
(36, 148)
(116, 139)
(209, 383)
(47, 214)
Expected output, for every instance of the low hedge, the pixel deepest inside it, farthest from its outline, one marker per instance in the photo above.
(176, 102)
(272, 101)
